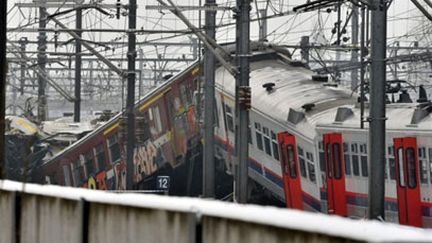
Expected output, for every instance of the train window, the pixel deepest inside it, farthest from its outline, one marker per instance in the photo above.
(329, 164)
(337, 161)
(430, 164)
(249, 135)
(364, 160)
(354, 148)
(67, 175)
(78, 173)
(321, 156)
(267, 145)
(423, 165)
(89, 162)
(291, 161)
(275, 146)
(363, 148)
(229, 118)
(391, 163)
(114, 148)
(100, 157)
(258, 136)
(311, 167)
(216, 114)
(355, 159)
(157, 119)
(347, 159)
(392, 168)
(302, 162)
(401, 174)
(385, 169)
(411, 167)
(185, 94)
(355, 163)
(364, 165)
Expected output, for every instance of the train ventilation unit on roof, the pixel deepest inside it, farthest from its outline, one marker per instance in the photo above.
(343, 113)
(269, 86)
(420, 113)
(295, 117)
(320, 78)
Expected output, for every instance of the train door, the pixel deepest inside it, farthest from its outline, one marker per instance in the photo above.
(408, 184)
(335, 174)
(290, 171)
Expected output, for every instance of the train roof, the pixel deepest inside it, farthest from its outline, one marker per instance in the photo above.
(298, 100)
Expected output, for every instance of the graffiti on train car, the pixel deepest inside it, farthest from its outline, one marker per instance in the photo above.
(147, 160)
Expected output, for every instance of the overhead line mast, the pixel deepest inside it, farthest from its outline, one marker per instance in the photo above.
(3, 70)
(209, 105)
(377, 116)
(242, 99)
(130, 101)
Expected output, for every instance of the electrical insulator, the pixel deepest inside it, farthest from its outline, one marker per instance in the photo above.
(244, 97)
(118, 9)
(123, 129)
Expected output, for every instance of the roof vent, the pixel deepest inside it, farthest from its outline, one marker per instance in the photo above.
(421, 112)
(404, 97)
(295, 117)
(308, 106)
(343, 113)
(422, 95)
(320, 78)
(168, 76)
(269, 86)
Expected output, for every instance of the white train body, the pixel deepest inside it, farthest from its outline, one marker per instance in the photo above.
(329, 110)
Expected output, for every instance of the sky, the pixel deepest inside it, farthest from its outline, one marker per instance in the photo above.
(405, 24)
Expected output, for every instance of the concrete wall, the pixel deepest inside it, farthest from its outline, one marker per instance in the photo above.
(59, 214)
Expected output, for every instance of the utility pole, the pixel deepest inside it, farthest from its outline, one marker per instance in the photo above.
(242, 100)
(23, 44)
(3, 70)
(263, 25)
(42, 59)
(209, 104)
(363, 64)
(377, 146)
(304, 47)
(130, 100)
(354, 42)
(77, 101)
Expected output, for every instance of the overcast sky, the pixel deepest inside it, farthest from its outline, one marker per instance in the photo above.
(404, 23)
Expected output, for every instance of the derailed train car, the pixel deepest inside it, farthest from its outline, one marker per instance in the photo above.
(167, 140)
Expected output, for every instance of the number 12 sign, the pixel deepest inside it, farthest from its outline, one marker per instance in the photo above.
(163, 183)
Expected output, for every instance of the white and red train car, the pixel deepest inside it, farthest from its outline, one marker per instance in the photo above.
(306, 145)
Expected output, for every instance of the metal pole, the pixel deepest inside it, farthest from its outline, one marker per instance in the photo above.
(362, 62)
(3, 70)
(242, 113)
(130, 100)
(355, 42)
(209, 105)
(304, 46)
(42, 59)
(141, 70)
(377, 117)
(77, 102)
(23, 43)
(263, 25)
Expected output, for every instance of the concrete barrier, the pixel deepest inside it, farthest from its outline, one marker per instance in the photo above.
(36, 213)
